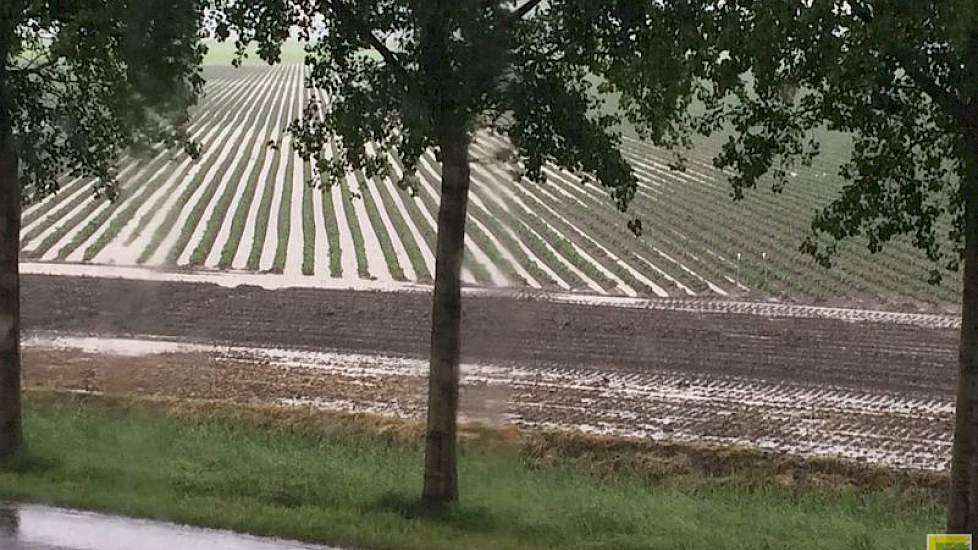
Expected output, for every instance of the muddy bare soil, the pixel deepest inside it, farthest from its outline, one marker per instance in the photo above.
(794, 380)
(914, 361)
(721, 412)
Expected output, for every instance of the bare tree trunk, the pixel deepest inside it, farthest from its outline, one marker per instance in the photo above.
(11, 432)
(961, 515)
(441, 468)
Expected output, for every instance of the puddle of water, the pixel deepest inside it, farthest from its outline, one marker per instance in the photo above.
(610, 396)
(122, 347)
(30, 527)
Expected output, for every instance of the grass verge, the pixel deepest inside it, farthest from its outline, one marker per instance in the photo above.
(352, 480)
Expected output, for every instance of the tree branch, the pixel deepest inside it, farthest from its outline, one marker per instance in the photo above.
(367, 35)
(947, 100)
(34, 67)
(526, 8)
(384, 51)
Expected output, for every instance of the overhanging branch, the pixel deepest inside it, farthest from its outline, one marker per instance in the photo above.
(526, 8)
(39, 62)
(367, 35)
(384, 51)
(945, 99)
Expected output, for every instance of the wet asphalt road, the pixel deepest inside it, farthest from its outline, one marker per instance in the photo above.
(29, 527)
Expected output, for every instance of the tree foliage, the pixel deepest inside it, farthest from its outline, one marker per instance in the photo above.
(900, 77)
(86, 81)
(403, 77)
(538, 73)
(82, 82)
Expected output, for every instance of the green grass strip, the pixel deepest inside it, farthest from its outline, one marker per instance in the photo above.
(193, 220)
(308, 224)
(56, 203)
(285, 216)
(241, 214)
(264, 214)
(404, 233)
(327, 482)
(216, 220)
(332, 233)
(351, 221)
(386, 246)
(125, 215)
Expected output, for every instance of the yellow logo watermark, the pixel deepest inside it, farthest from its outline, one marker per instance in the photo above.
(949, 542)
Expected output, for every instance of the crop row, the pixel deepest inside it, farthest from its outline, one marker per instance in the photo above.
(249, 203)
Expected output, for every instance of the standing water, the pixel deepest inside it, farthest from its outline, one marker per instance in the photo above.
(29, 527)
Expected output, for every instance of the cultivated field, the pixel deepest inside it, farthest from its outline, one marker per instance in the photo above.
(246, 207)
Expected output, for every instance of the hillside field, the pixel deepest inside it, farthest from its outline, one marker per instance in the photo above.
(247, 207)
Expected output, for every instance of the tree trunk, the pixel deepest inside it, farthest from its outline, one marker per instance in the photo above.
(441, 468)
(11, 433)
(961, 515)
